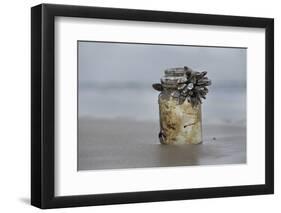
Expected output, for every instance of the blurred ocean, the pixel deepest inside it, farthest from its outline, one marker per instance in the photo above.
(225, 104)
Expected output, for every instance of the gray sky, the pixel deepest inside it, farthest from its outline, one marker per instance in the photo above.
(121, 62)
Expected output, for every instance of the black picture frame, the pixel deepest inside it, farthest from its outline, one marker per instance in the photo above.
(43, 102)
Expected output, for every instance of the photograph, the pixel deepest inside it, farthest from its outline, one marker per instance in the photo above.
(147, 105)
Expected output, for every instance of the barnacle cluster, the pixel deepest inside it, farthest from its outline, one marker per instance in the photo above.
(193, 88)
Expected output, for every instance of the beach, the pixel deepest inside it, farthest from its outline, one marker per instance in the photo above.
(125, 143)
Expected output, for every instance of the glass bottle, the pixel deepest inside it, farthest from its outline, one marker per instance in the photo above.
(180, 106)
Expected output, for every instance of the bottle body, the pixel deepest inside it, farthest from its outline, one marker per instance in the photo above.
(179, 123)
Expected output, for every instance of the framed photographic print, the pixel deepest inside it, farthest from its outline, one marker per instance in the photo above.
(138, 106)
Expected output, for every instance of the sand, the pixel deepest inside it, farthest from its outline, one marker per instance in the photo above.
(121, 143)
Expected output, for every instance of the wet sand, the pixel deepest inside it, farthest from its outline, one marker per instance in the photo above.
(119, 144)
